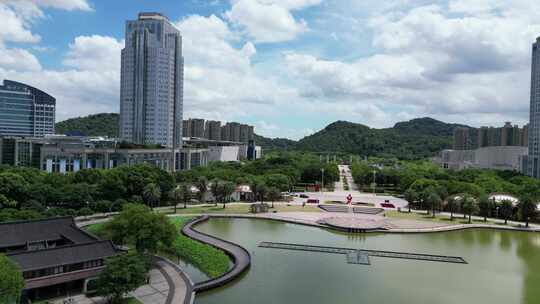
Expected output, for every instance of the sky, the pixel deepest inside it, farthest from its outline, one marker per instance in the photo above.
(290, 67)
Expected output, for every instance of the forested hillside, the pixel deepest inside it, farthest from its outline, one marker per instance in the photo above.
(414, 139)
(104, 124)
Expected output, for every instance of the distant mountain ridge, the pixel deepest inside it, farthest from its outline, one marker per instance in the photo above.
(413, 139)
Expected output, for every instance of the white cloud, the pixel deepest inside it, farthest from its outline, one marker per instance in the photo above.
(94, 53)
(220, 80)
(269, 20)
(63, 4)
(14, 27)
(18, 59)
(432, 62)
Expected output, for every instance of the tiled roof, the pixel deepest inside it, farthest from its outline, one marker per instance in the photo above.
(40, 259)
(19, 233)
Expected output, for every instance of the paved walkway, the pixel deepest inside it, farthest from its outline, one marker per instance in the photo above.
(156, 291)
(239, 255)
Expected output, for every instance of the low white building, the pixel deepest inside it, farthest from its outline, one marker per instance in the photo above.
(224, 153)
(497, 157)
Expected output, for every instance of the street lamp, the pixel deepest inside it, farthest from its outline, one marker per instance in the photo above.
(374, 184)
(322, 183)
(322, 179)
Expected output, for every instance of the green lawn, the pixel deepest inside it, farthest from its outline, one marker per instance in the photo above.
(131, 301)
(96, 229)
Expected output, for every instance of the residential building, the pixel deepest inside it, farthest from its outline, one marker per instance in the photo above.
(54, 256)
(25, 110)
(212, 130)
(461, 138)
(186, 128)
(246, 133)
(525, 136)
(197, 127)
(151, 88)
(232, 132)
(508, 135)
(226, 132)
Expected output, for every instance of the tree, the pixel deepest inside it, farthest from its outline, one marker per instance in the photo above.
(6, 202)
(279, 181)
(215, 190)
(432, 199)
(139, 226)
(411, 196)
(202, 185)
(123, 273)
(273, 195)
(151, 195)
(181, 194)
(11, 281)
(469, 205)
(451, 203)
(259, 190)
(527, 209)
(485, 205)
(506, 209)
(226, 189)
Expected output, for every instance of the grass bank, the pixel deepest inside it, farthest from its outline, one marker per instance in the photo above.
(211, 261)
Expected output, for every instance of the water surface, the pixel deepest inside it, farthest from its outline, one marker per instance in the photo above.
(504, 267)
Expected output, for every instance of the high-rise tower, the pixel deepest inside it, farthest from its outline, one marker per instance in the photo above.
(152, 78)
(533, 168)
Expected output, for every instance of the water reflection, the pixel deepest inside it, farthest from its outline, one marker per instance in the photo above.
(528, 249)
(504, 267)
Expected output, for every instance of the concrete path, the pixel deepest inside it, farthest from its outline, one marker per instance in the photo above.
(156, 291)
(240, 256)
(180, 288)
(345, 172)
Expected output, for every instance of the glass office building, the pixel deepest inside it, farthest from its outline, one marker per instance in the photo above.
(152, 77)
(25, 110)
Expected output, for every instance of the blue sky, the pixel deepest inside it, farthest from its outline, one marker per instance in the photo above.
(290, 67)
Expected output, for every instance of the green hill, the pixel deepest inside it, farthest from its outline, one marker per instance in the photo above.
(104, 124)
(413, 139)
(417, 138)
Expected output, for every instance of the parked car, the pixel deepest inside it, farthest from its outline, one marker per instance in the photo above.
(312, 201)
(304, 196)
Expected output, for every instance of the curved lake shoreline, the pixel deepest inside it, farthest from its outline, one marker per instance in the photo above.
(499, 260)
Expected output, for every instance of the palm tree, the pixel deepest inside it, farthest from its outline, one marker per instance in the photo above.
(259, 189)
(451, 203)
(202, 185)
(527, 208)
(214, 189)
(181, 194)
(273, 195)
(469, 205)
(506, 210)
(433, 200)
(226, 189)
(151, 194)
(485, 205)
(411, 196)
